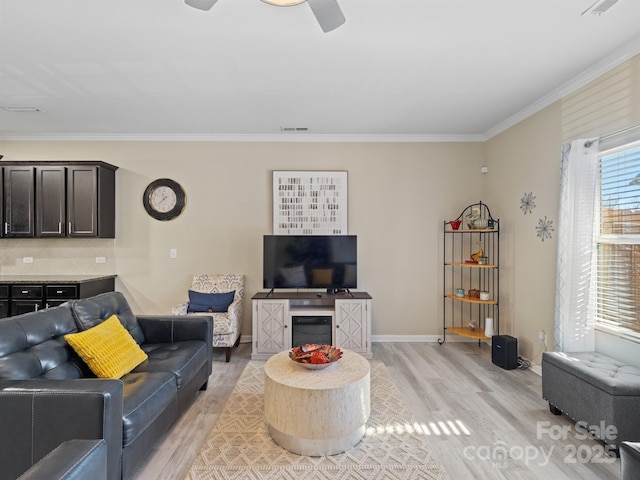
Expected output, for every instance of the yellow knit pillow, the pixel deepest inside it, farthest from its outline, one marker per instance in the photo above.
(108, 349)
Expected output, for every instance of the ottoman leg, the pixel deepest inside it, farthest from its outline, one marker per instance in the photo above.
(555, 410)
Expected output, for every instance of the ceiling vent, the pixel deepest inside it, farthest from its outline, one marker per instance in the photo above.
(294, 129)
(20, 109)
(599, 7)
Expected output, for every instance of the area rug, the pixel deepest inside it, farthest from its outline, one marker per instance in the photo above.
(239, 446)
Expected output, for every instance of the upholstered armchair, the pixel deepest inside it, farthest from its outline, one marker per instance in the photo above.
(206, 297)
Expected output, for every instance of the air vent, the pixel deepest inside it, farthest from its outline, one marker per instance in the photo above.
(600, 7)
(20, 109)
(294, 129)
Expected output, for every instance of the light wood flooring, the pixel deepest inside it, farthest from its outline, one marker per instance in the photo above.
(481, 421)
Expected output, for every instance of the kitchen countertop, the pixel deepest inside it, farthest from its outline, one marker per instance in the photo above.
(58, 279)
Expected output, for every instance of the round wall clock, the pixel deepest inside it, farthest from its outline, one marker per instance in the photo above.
(164, 199)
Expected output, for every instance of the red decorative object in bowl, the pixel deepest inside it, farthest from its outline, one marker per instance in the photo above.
(455, 224)
(314, 357)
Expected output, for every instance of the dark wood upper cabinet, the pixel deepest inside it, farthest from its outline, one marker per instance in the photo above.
(19, 201)
(51, 201)
(91, 201)
(59, 199)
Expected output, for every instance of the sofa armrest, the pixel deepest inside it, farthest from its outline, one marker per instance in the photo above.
(72, 460)
(629, 461)
(38, 415)
(235, 311)
(172, 328)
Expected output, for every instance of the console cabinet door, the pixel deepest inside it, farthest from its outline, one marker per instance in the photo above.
(50, 202)
(19, 200)
(352, 325)
(271, 326)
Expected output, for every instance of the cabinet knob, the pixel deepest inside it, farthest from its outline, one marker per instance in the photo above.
(337, 326)
(285, 326)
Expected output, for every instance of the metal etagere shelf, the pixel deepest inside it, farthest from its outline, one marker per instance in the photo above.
(471, 273)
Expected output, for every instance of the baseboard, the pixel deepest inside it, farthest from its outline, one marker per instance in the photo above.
(419, 338)
(398, 338)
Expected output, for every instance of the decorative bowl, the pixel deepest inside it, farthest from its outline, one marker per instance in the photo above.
(455, 224)
(315, 357)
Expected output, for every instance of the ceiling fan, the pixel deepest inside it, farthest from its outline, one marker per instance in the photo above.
(327, 12)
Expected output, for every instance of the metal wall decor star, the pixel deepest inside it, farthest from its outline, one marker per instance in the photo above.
(527, 203)
(544, 228)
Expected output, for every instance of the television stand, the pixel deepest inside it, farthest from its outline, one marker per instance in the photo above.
(273, 325)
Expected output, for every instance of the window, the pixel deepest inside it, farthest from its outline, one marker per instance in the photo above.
(617, 240)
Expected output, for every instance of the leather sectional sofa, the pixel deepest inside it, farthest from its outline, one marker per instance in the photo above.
(72, 460)
(48, 395)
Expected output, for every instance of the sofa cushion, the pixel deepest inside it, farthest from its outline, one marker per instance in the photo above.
(108, 349)
(610, 375)
(32, 346)
(183, 359)
(89, 312)
(147, 395)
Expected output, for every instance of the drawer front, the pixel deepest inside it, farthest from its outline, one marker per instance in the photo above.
(4, 291)
(62, 291)
(26, 291)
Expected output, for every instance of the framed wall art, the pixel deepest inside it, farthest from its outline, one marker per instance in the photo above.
(309, 203)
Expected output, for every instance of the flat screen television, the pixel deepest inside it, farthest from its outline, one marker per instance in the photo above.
(310, 261)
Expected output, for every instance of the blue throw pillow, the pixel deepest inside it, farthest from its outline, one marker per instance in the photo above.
(209, 302)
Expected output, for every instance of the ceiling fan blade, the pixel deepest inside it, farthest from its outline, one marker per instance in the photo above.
(327, 13)
(201, 4)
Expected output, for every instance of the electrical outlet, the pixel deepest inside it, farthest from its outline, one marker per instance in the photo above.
(27, 259)
(542, 335)
(173, 253)
(101, 260)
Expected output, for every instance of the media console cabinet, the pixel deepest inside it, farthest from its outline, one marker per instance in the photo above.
(282, 320)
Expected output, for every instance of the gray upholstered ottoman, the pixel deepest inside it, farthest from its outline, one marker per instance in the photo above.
(594, 389)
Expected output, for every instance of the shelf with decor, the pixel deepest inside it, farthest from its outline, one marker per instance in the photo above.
(471, 280)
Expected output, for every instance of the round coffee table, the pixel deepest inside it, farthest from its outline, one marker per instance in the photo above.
(317, 412)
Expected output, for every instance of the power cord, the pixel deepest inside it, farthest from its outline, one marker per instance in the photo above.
(523, 363)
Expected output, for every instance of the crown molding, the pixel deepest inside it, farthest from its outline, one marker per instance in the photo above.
(281, 137)
(611, 61)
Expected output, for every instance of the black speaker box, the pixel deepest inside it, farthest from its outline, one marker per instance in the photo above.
(504, 351)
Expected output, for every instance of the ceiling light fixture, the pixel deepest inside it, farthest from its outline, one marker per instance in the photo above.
(600, 6)
(327, 12)
(284, 3)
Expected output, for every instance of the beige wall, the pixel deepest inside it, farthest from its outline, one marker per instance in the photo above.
(399, 195)
(526, 159)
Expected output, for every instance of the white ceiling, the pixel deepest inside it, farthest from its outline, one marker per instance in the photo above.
(397, 69)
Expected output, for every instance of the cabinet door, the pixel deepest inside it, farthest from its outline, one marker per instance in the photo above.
(19, 200)
(4, 308)
(271, 326)
(352, 325)
(82, 201)
(18, 307)
(50, 202)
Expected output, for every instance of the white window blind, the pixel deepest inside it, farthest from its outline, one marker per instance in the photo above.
(618, 238)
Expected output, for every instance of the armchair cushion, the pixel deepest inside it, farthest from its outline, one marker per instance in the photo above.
(209, 302)
(108, 349)
(227, 324)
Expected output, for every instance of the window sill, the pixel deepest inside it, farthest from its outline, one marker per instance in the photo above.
(620, 332)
